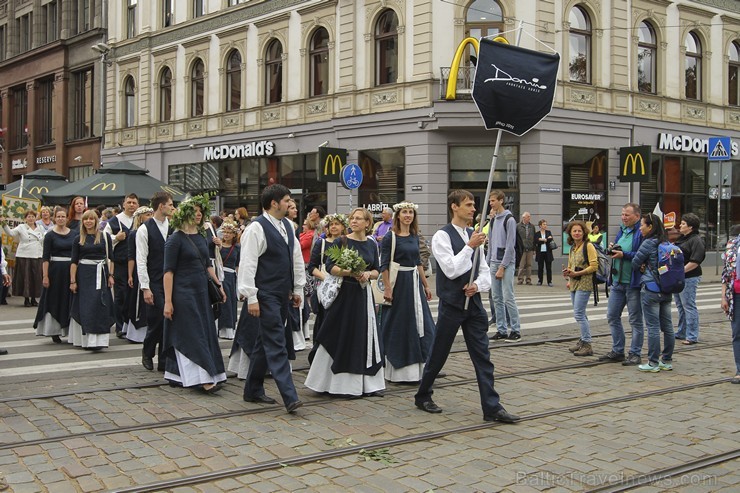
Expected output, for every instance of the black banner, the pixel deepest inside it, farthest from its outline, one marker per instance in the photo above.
(331, 161)
(634, 163)
(514, 87)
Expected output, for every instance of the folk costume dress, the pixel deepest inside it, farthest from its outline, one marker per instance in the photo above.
(230, 261)
(135, 327)
(92, 305)
(348, 360)
(27, 272)
(407, 326)
(53, 315)
(190, 345)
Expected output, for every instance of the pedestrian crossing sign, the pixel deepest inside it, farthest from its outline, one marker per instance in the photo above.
(719, 148)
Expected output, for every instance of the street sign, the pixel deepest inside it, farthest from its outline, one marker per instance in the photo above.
(351, 176)
(726, 194)
(719, 148)
(635, 164)
(330, 163)
(713, 193)
(720, 173)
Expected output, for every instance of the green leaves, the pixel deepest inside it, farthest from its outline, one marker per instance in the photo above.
(346, 258)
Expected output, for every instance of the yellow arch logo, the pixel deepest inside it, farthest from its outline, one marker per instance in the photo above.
(105, 186)
(335, 161)
(170, 190)
(452, 81)
(597, 166)
(36, 190)
(634, 160)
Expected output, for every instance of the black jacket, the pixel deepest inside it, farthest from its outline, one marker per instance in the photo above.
(538, 244)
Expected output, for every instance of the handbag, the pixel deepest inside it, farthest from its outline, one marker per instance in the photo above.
(552, 245)
(214, 290)
(377, 285)
(328, 290)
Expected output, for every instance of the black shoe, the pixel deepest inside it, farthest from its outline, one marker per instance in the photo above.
(209, 391)
(293, 406)
(161, 368)
(441, 375)
(3, 351)
(612, 357)
(26, 302)
(429, 406)
(498, 336)
(34, 302)
(261, 399)
(501, 415)
(147, 362)
(632, 360)
(4, 302)
(119, 334)
(56, 339)
(377, 393)
(513, 337)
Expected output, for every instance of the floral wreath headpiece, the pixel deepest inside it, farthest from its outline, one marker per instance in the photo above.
(405, 205)
(143, 210)
(185, 212)
(340, 218)
(230, 226)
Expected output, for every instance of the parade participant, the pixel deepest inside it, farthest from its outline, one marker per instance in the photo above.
(27, 271)
(731, 294)
(582, 263)
(271, 273)
(45, 222)
(453, 247)
(190, 345)
(407, 326)
(6, 283)
(119, 227)
(348, 360)
(692, 246)
(135, 329)
(52, 317)
(74, 214)
(149, 262)
(90, 280)
(229, 252)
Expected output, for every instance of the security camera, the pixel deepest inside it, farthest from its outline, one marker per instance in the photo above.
(192, 146)
(78, 158)
(101, 48)
(324, 144)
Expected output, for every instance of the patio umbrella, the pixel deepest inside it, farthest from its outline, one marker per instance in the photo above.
(111, 184)
(36, 183)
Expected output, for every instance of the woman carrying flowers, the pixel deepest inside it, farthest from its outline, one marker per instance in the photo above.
(348, 360)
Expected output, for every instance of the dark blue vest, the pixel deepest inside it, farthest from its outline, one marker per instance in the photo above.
(275, 266)
(120, 251)
(451, 290)
(155, 259)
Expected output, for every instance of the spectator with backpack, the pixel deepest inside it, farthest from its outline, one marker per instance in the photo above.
(656, 303)
(582, 265)
(694, 252)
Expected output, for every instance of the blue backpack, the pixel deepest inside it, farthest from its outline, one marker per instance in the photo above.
(670, 276)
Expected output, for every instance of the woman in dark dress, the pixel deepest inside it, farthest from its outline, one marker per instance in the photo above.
(135, 328)
(91, 281)
(348, 360)
(52, 317)
(74, 214)
(543, 252)
(193, 356)
(407, 326)
(230, 252)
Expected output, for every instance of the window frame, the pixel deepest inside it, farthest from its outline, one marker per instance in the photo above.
(197, 89)
(45, 112)
(733, 69)
(652, 47)
(83, 112)
(165, 95)
(696, 57)
(129, 102)
(318, 57)
(385, 42)
(233, 81)
(575, 33)
(274, 95)
(166, 13)
(131, 18)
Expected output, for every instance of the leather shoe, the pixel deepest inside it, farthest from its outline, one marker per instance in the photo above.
(3, 351)
(147, 362)
(501, 415)
(293, 406)
(429, 406)
(261, 399)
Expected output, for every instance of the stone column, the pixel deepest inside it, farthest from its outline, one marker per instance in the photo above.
(5, 156)
(31, 137)
(61, 107)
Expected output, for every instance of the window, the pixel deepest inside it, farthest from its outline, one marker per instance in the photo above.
(319, 60)
(274, 73)
(129, 103)
(25, 27)
(386, 48)
(646, 58)
(165, 95)
(83, 104)
(19, 118)
(470, 166)
(383, 177)
(77, 173)
(52, 21)
(3, 41)
(166, 13)
(198, 9)
(693, 67)
(131, 19)
(585, 174)
(45, 120)
(234, 82)
(197, 88)
(580, 46)
(733, 87)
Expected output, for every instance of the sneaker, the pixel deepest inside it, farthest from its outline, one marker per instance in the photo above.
(539, 283)
(612, 357)
(632, 360)
(665, 365)
(549, 284)
(498, 336)
(513, 337)
(585, 350)
(649, 368)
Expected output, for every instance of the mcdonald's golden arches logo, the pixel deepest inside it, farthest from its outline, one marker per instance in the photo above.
(634, 163)
(104, 186)
(37, 190)
(598, 165)
(455, 67)
(331, 161)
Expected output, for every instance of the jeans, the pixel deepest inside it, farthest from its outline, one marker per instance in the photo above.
(580, 302)
(493, 311)
(688, 314)
(736, 332)
(503, 298)
(656, 308)
(622, 295)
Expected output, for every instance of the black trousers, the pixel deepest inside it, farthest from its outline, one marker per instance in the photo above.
(120, 292)
(155, 325)
(544, 263)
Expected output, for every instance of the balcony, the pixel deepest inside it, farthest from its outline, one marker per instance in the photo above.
(464, 87)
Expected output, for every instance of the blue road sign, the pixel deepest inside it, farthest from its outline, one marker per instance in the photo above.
(719, 148)
(351, 176)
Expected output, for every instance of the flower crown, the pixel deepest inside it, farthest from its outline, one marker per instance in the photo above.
(143, 210)
(229, 226)
(340, 218)
(405, 205)
(185, 212)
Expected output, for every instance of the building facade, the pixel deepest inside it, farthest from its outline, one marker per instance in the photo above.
(232, 96)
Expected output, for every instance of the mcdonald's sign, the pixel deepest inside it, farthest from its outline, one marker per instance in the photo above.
(598, 165)
(634, 163)
(104, 186)
(331, 161)
(38, 190)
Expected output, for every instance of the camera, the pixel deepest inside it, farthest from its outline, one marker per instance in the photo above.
(615, 248)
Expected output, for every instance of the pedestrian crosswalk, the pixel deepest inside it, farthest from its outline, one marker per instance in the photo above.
(29, 354)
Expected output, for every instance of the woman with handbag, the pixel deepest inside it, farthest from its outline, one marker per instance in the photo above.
(190, 343)
(583, 262)
(544, 245)
(407, 326)
(731, 294)
(348, 360)
(230, 252)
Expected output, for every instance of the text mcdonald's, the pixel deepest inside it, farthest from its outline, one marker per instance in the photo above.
(331, 161)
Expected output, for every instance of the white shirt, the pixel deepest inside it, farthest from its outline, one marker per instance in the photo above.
(31, 241)
(142, 250)
(122, 219)
(3, 263)
(453, 265)
(253, 245)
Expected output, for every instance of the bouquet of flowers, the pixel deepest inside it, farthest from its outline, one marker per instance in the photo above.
(347, 258)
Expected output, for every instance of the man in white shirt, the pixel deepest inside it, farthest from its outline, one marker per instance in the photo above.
(118, 228)
(6, 283)
(271, 274)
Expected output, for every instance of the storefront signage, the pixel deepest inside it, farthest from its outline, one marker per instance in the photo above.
(46, 159)
(331, 161)
(377, 207)
(19, 163)
(416, 188)
(550, 189)
(687, 143)
(587, 196)
(253, 149)
(634, 163)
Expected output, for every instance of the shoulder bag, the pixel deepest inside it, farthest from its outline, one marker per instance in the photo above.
(214, 290)
(377, 285)
(328, 289)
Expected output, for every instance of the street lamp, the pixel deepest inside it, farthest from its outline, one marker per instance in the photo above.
(103, 49)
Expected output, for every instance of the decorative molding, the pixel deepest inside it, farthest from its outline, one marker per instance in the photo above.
(733, 117)
(196, 126)
(303, 52)
(696, 113)
(599, 33)
(128, 135)
(231, 121)
(328, 4)
(648, 106)
(584, 97)
(459, 21)
(316, 108)
(270, 115)
(368, 37)
(285, 16)
(401, 29)
(385, 98)
(197, 41)
(162, 130)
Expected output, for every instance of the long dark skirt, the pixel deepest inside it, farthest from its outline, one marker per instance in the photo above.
(27, 277)
(227, 319)
(92, 308)
(52, 317)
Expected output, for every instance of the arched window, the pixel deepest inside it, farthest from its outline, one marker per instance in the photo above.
(129, 103)
(579, 64)
(274, 73)
(319, 60)
(165, 95)
(646, 58)
(386, 48)
(693, 67)
(234, 82)
(733, 87)
(484, 18)
(197, 88)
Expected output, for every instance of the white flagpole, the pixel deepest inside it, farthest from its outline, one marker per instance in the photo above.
(21, 191)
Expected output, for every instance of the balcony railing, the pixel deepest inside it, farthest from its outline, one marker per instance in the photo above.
(464, 87)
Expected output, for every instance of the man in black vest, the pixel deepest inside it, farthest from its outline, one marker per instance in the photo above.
(118, 228)
(454, 248)
(150, 268)
(271, 274)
